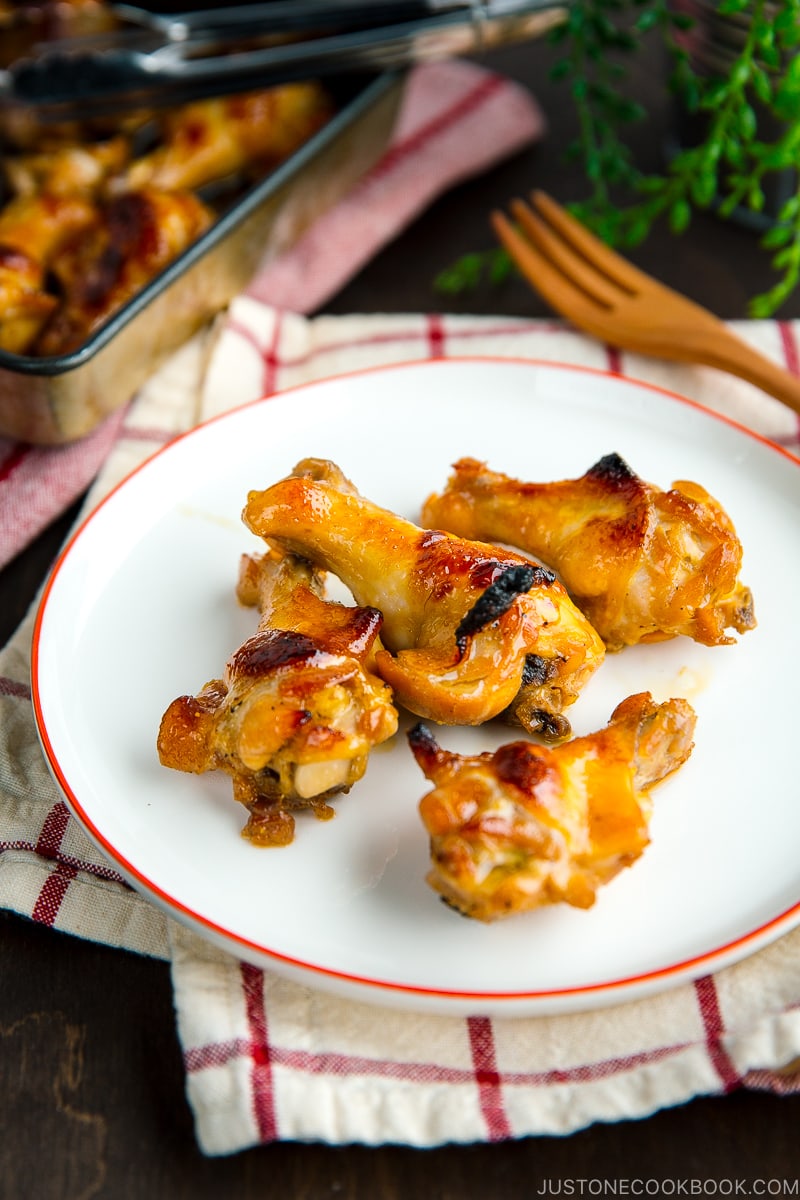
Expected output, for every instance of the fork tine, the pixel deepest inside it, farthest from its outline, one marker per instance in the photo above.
(572, 264)
(560, 293)
(618, 269)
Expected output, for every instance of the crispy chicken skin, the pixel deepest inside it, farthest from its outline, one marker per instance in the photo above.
(135, 236)
(643, 564)
(532, 825)
(211, 139)
(299, 707)
(470, 631)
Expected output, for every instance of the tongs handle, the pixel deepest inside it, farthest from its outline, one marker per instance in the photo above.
(286, 16)
(62, 83)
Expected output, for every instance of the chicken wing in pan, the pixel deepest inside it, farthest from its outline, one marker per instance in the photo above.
(643, 564)
(211, 139)
(299, 706)
(531, 825)
(100, 216)
(470, 631)
(32, 232)
(134, 237)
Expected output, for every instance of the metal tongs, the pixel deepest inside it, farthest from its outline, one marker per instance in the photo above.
(153, 60)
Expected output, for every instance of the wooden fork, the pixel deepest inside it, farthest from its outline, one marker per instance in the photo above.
(603, 294)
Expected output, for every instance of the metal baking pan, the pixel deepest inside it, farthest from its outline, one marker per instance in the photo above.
(59, 399)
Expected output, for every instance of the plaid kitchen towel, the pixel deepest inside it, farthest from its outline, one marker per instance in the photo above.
(269, 1059)
(456, 120)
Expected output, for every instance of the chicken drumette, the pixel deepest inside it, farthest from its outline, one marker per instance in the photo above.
(299, 706)
(470, 630)
(532, 825)
(643, 564)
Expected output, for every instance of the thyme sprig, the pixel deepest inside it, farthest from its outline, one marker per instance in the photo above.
(749, 116)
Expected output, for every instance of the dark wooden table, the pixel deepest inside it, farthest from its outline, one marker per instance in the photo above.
(91, 1082)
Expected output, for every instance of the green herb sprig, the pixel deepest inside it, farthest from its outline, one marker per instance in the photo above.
(727, 169)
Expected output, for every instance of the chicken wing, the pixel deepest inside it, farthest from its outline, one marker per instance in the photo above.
(532, 825)
(210, 139)
(299, 708)
(32, 232)
(643, 564)
(469, 631)
(137, 235)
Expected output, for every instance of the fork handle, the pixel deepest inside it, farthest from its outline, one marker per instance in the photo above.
(730, 353)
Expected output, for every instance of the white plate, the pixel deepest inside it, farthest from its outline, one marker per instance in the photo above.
(140, 609)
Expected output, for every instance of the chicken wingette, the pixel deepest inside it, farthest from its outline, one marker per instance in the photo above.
(532, 825)
(210, 139)
(643, 564)
(299, 707)
(470, 631)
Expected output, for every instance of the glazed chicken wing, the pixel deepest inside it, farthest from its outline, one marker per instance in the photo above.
(137, 235)
(469, 630)
(531, 825)
(643, 564)
(32, 232)
(210, 139)
(299, 707)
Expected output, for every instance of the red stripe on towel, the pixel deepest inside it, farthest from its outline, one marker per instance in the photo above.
(413, 143)
(11, 687)
(53, 830)
(435, 331)
(708, 1003)
(271, 360)
(50, 898)
(490, 1084)
(260, 1054)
